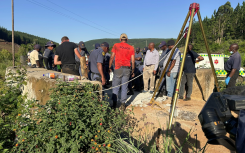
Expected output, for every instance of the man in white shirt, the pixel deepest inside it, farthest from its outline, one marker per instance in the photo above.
(34, 56)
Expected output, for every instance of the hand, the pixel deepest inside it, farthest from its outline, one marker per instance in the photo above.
(103, 81)
(168, 74)
(227, 80)
(133, 75)
(154, 72)
(143, 69)
(110, 70)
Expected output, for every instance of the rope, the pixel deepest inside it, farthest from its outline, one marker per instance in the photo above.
(143, 72)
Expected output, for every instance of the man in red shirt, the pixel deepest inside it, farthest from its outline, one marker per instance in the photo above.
(124, 56)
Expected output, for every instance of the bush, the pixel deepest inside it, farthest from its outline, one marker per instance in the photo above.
(74, 120)
(10, 105)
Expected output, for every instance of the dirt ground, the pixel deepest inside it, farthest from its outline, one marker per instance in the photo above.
(154, 118)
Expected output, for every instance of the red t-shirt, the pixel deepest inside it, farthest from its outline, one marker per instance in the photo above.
(123, 53)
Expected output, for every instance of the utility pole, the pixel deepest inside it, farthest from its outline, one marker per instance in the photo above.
(13, 31)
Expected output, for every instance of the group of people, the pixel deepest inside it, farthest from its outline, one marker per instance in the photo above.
(127, 63)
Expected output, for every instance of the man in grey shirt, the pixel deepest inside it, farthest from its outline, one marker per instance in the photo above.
(150, 67)
(173, 68)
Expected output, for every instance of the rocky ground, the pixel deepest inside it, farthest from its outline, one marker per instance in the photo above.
(151, 119)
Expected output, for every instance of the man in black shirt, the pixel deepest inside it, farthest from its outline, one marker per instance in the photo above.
(66, 52)
(189, 72)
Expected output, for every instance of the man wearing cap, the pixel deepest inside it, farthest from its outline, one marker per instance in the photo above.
(150, 67)
(34, 56)
(48, 55)
(97, 45)
(173, 68)
(138, 82)
(66, 52)
(106, 68)
(82, 50)
(162, 89)
(96, 62)
(124, 54)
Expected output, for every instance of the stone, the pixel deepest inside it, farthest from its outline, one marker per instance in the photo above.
(187, 116)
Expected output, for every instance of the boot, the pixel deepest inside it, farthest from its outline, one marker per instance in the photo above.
(160, 94)
(114, 106)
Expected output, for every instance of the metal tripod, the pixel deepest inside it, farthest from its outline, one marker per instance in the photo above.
(193, 9)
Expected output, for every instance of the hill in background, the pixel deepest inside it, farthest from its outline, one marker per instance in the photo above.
(134, 42)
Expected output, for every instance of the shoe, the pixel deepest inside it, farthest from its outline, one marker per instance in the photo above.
(180, 97)
(114, 106)
(131, 92)
(164, 93)
(187, 99)
(122, 107)
(144, 91)
(151, 92)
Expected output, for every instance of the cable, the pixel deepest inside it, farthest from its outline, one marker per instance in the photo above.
(144, 71)
(48, 8)
(80, 16)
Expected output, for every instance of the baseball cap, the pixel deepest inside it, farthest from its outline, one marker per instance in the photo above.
(123, 36)
(97, 45)
(137, 49)
(170, 43)
(50, 43)
(37, 46)
(145, 49)
(163, 43)
(105, 44)
(81, 44)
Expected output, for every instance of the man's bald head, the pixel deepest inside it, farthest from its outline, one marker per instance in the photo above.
(151, 46)
(190, 47)
(234, 47)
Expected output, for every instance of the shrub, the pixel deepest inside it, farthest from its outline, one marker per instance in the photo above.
(10, 106)
(75, 119)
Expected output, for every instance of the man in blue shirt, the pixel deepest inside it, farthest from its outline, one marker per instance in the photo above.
(233, 65)
(189, 72)
(48, 55)
(96, 61)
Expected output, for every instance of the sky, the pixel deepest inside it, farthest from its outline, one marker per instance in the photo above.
(83, 20)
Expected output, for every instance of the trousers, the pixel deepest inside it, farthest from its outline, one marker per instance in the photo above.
(148, 74)
(232, 82)
(120, 76)
(187, 78)
(163, 82)
(170, 82)
(70, 69)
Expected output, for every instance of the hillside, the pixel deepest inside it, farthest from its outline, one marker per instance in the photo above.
(21, 37)
(8, 46)
(134, 42)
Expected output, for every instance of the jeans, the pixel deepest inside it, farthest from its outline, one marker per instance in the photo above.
(170, 82)
(187, 78)
(120, 76)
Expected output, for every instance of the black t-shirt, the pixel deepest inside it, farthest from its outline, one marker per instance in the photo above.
(190, 61)
(66, 53)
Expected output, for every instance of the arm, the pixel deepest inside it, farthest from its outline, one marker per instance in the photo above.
(100, 69)
(200, 58)
(172, 65)
(133, 62)
(157, 62)
(56, 62)
(111, 59)
(232, 72)
(77, 53)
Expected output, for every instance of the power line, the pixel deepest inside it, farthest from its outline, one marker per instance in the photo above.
(62, 14)
(80, 16)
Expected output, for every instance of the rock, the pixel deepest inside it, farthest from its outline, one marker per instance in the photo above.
(186, 115)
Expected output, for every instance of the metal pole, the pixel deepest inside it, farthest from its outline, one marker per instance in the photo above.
(13, 31)
(165, 69)
(181, 70)
(208, 51)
